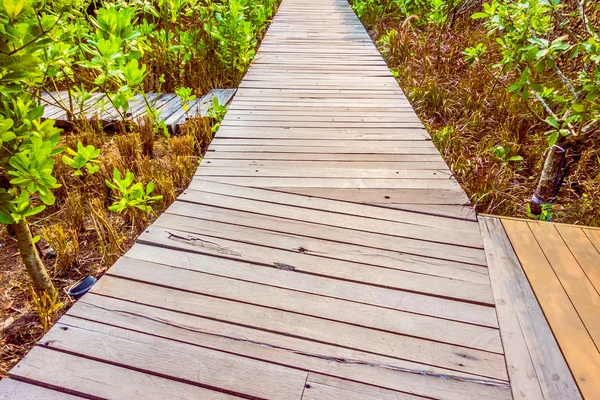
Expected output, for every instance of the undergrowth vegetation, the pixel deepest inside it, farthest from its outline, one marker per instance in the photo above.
(509, 92)
(72, 201)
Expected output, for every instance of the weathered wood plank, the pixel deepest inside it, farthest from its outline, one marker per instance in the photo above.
(11, 389)
(194, 365)
(293, 351)
(341, 289)
(94, 379)
(475, 362)
(367, 316)
(340, 269)
(325, 387)
(168, 106)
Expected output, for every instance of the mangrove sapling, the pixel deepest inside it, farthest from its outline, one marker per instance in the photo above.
(131, 196)
(557, 76)
(217, 112)
(84, 157)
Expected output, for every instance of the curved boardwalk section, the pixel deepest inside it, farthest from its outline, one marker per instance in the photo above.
(322, 251)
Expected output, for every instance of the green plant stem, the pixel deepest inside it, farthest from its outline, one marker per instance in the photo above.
(33, 264)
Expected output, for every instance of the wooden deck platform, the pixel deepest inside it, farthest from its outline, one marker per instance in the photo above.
(322, 251)
(557, 266)
(168, 106)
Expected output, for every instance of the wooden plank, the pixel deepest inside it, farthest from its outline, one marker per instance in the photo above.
(12, 389)
(319, 240)
(286, 259)
(94, 379)
(474, 362)
(317, 149)
(385, 196)
(594, 236)
(420, 144)
(573, 279)
(340, 289)
(571, 335)
(584, 252)
(536, 367)
(200, 189)
(367, 316)
(194, 364)
(341, 183)
(229, 155)
(289, 350)
(274, 164)
(292, 171)
(325, 387)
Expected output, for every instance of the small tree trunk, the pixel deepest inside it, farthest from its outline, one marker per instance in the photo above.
(31, 259)
(551, 176)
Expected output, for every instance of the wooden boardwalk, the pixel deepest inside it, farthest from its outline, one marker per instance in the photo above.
(168, 106)
(322, 251)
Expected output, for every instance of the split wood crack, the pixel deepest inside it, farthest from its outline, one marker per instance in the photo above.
(198, 242)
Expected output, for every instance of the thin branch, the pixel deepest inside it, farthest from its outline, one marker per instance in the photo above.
(565, 80)
(532, 111)
(586, 22)
(592, 126)
(545, 105)
(35, 39)
(564, 26)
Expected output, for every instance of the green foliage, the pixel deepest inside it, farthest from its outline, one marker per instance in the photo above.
(131, 195)
(557, 66)
(503, 154)
(217, 112)
(427, 11)
(27, 143)
(84, 157)
(234, 33)
(545, 214)
(473, 54)
(185, 94)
